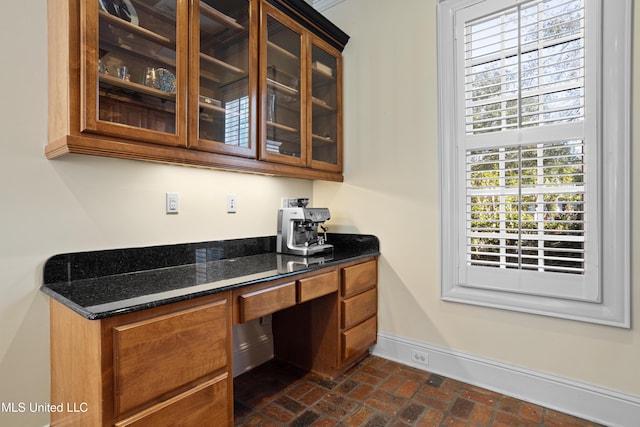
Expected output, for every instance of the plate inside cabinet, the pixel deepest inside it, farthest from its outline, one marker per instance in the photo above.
(166, 80)
(123, 9)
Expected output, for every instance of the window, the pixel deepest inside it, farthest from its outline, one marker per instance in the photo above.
(534, 148)
(236, 124)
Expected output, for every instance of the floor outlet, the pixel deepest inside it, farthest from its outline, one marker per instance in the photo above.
(420, 357)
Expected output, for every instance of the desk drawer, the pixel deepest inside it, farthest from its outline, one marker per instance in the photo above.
(154, 357)
(358, 308)
(266, 301)
(358, 278)
(358, 339)
(317, 286)
(204, 405)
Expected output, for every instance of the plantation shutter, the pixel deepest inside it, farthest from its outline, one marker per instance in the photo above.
(528, 150)
(524, 66)
(236, 125)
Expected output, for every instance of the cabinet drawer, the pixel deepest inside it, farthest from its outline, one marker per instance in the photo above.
(317, 286)
(205, 405)
(359, 338)
(358, 308)
(358, 278)
(267, 301)
(156, 356)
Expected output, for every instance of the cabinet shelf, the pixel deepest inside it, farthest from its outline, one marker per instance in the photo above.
(211, 108)
(281, 87)
(320, 103)
(274, 48)
(224, 65)
(279, 126)
(220, 17)
(136, 30)
(136, 87)
(318, 138)
(205, 107)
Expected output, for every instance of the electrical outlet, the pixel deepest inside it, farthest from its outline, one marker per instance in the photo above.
(173, 203)
(232, 206)
(420, 357)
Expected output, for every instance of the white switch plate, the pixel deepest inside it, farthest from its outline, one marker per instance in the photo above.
(231, 203)
(173, 203)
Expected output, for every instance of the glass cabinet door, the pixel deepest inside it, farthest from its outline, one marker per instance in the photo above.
(283, 95)
(221, 84)
(135, 63)
(326, 96)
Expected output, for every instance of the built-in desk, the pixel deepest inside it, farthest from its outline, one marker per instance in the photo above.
(142, 337)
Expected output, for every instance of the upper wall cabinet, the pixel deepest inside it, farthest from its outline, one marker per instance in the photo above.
(301, 95)
(223, 69)
(245, 85)
(134, 69)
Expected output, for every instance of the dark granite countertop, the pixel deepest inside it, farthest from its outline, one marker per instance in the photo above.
(102, 284)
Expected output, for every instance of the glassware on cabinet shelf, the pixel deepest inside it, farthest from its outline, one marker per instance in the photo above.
(137, 63)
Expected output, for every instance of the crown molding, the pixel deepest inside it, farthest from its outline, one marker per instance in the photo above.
(322, 5)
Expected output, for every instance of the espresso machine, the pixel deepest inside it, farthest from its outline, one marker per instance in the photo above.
(298, 230)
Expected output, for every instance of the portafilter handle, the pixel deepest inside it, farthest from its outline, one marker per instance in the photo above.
(324, 232)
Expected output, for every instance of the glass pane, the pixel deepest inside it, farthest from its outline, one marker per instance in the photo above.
(324, 127)
(525, 67)
(224, 67)
(137, 63)
(526, 207)
(283, 90)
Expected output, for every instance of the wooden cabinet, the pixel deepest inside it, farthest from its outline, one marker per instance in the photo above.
(171, 365)
(162, 366)
(330, 332)
(181, 81)
(301, 95)
(134, 65)
(203, 405)
(359, 307)
(325, 117)
(223, 77)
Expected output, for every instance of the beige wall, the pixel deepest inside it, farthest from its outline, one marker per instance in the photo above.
(82, 203)
(391, 189)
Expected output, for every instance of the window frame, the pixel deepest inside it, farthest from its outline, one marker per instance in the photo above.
(612, 305)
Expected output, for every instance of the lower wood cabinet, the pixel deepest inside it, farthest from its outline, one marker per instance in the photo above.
(171, 365)
(155, 356)
(357, 340)
(164, 366)
(204, 405)
(334, 330)
(359, 308)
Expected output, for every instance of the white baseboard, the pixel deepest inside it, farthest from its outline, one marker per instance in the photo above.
(583, 400)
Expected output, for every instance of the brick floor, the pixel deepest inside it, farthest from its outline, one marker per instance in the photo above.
(379, 392)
